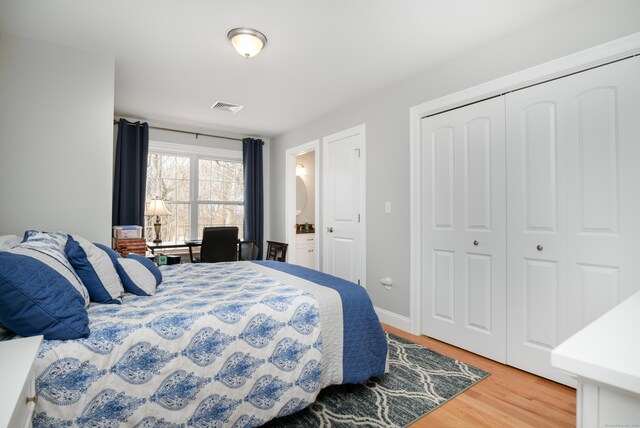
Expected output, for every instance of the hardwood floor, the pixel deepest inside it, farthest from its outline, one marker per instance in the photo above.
(508, 398)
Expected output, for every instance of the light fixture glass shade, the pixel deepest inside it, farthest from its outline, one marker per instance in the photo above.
(300, 169)
(157, 207)
(246, 41)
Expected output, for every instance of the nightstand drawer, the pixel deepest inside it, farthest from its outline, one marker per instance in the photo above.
(18, 383)
(23, 412)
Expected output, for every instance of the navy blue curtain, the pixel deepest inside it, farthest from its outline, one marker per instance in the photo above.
(253, 192)
(130, 174)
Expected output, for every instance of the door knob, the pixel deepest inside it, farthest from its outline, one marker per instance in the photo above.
(475, 243)
(539, 247)
(330, 229)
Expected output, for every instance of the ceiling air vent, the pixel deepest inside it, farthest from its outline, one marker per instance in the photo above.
(225, 106)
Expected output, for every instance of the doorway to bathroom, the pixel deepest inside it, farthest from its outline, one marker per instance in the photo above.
(302, 204)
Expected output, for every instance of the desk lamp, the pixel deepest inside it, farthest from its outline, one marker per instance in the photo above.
(157, 208)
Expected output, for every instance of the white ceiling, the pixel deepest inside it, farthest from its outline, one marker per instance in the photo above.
(173, 60)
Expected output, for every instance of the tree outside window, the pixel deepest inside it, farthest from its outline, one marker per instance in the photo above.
(199, 192)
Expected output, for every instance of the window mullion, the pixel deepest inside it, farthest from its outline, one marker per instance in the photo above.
(193, 196)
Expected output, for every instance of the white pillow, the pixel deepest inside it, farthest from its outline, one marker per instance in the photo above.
(9, 241)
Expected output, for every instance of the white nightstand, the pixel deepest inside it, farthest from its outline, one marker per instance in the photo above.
(18, 383)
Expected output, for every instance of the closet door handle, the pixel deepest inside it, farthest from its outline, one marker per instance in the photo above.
(475, 243)
(330, 229)
(539, 247)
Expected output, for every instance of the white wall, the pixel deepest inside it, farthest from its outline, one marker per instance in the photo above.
(56, 142)
(386, 115)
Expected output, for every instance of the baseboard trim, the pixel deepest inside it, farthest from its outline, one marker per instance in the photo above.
(393, 319)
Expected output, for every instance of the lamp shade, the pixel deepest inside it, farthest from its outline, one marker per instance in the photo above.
(156, 207)
(246, 41)
(301, 170)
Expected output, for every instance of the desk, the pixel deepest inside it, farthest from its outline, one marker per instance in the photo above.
(190, 244)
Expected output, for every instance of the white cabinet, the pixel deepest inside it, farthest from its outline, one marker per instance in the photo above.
(570, 202)
(306, 250)
(17, 395)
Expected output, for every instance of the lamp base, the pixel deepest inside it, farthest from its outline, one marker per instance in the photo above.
(156, 228)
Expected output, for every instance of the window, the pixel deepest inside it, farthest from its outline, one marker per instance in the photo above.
(200, 189)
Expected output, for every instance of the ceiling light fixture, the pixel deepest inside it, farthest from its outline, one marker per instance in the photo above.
(248, 42)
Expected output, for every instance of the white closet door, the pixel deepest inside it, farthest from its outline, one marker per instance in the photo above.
(603, 190)
(464, 228)
(573, 207)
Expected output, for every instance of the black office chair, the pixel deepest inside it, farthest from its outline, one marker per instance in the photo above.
(219, 244)
(248, 250)
(276, 251)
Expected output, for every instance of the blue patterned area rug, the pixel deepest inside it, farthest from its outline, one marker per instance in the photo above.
(419, 381)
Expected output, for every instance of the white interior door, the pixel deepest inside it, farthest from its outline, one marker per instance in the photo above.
(573, 205)
(343, 199)
(464, 225)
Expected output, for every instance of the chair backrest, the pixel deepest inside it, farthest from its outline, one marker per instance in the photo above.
(248, 250)
(219, 244)
(276, 251)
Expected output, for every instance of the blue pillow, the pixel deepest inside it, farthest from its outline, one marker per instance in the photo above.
(36, 298)
(47, 249)
(96, 270)
(138, 274)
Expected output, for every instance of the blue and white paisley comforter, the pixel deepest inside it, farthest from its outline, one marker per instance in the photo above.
(226, 344)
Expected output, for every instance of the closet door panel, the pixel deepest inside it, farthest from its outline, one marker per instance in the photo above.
(478, 292)
(587, 225)
(443, 175)
(464, 228)
(598, 289)
(444, 285)
(603, 196)
(477, 174)
(539, 139)
(541, 312)
(536, 227)
(597, 161)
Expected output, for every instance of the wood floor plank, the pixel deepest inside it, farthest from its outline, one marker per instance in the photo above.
(508, 398)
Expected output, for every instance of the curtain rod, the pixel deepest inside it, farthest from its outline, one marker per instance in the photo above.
(115, 122)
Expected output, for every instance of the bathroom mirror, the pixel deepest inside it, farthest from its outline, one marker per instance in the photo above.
(301, 195)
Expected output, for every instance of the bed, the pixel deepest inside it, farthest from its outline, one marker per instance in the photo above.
(226, 344)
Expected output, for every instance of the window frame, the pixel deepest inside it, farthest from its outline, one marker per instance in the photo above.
(195, 153)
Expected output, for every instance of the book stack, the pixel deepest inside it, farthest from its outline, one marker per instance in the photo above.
(128, 239)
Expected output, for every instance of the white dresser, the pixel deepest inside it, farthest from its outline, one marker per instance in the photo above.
(306, 250)
(604, 357)
(17, 394)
